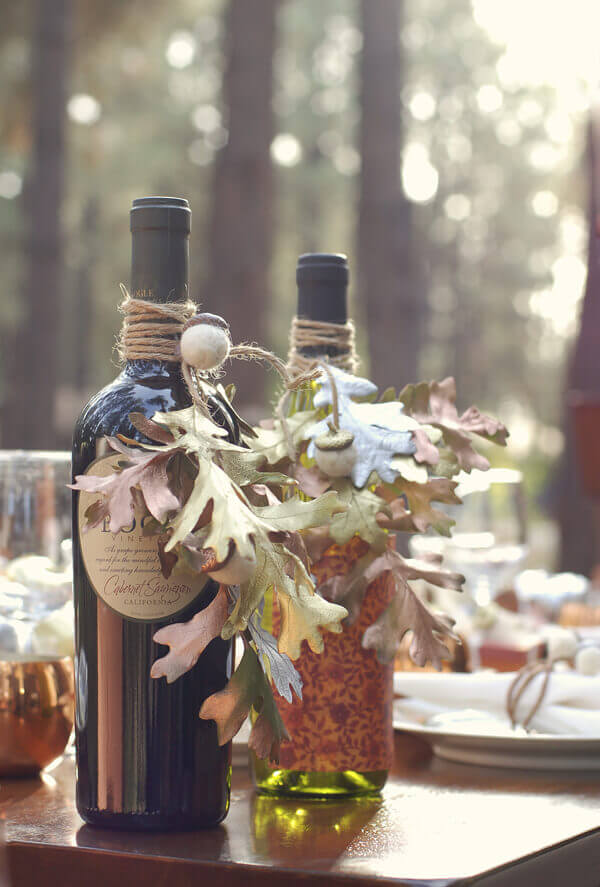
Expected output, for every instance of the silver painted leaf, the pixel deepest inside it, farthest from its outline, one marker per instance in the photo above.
(346, 385)
(375, 444)
(283, 674)
(380, 430)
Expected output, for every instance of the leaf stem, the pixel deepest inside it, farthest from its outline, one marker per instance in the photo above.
(335, 405)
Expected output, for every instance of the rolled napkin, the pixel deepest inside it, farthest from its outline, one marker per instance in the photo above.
(53, 635)
(48, 587)
(571, 705)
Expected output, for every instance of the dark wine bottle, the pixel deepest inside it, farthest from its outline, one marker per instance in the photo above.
(145, 760)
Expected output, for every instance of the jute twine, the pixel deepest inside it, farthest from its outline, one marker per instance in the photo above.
(322, 336)
(519, 685)
(151, 331)
(524, 679)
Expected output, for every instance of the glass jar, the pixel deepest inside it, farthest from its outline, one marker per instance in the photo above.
(36, 581)
(342, 733)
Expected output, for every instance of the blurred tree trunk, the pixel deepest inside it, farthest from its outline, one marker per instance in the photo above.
(389, 283)
(241, 220)
(84, 296)
(576, 514)
(32, 373)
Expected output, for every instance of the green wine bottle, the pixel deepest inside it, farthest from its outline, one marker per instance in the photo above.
(326, 757)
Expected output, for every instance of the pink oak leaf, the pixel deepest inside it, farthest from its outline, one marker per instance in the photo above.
(188, 640)
(145, 472)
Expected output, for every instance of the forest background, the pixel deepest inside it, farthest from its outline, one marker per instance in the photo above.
(444, 145)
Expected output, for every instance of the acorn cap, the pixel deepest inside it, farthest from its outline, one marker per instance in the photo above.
(335, 440)
(208, 319)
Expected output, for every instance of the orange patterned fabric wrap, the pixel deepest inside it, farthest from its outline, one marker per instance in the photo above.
(344, 721)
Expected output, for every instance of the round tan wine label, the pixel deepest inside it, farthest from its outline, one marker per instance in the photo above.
(124, 567)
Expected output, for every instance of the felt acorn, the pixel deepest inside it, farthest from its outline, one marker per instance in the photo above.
(205, 341)
(587, 661)
(561, 643)
(335, 453)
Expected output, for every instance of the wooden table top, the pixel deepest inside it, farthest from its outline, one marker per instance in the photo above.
(436, 824)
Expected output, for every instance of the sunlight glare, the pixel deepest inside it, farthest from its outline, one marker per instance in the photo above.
(544, 204)
(422, 106)
(11, 184)
(419, 177)
(552, 43)
(181, 49)
(84, 109)
(286, 150)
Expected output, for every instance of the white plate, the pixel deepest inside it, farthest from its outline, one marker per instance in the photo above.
(531, 752)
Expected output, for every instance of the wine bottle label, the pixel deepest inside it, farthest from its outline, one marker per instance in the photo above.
(124, 568)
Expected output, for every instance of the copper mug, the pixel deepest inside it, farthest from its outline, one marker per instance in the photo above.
(37, 706)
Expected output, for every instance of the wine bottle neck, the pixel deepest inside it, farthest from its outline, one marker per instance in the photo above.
(160, 263)
(322, 280)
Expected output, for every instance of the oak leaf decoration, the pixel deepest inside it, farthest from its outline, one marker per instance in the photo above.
(188, 640)
(279, 666)
(407, 612)
(143, 472)
(375, 444)
(229, 708)
(421, 514)
(293, 514)
(434, 403)
(311, 481)
(303, 614)
(263, 739)
(359, 518)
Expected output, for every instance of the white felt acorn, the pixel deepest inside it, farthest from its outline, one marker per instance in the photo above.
(587, 661)
(335, 453)
(235, 570)
(205, 342)
(561, 643)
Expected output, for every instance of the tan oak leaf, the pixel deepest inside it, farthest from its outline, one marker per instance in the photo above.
(263, 740)
(272, 444)
(247, 688)
(408, 613)
(419, 498)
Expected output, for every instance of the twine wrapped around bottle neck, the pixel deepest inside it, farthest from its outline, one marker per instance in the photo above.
(322, 336)
(151, 331)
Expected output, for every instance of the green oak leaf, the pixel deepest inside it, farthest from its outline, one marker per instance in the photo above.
(271, 442)
(293, 514)
(232, 518)
(362, 507)
(302, 615)
(302, 611)
(241, 465)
